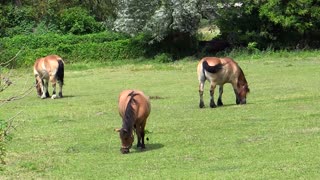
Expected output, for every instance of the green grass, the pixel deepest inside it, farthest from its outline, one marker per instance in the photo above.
(275, 136)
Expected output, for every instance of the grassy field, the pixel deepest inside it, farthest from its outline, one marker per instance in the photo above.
(275, 136)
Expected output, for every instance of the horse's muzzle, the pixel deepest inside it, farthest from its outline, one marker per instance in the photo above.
(124, 150)
(243, 101)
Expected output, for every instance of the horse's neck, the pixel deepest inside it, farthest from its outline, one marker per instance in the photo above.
(241, 77)
(128, 124)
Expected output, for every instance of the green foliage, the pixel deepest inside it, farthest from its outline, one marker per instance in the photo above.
(78, 21)
(16, 20)
(100, 47)
(163, 58)
(291, 24)
(301, 15)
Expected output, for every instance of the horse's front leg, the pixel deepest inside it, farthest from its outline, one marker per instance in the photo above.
(201, 86)
(138, 132)
(236, 93)
(212, 104)
(220, 96)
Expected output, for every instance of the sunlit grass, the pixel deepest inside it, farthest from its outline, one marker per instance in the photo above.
(275, 136)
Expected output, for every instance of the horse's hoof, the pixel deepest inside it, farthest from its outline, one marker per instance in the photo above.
(43, 97)
(54, 96)
(201, 105)
(213, 105)
(220, 103)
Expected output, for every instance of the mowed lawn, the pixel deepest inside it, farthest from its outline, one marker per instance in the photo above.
(275, 136)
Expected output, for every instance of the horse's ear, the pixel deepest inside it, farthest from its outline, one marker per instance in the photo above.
(117, 130)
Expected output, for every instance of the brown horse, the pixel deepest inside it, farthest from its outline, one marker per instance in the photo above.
(134, 108)
(219, 71)
(49, 68)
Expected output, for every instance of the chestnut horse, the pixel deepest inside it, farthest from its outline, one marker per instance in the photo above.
(219, 71)
(45, 69)
(134, 109)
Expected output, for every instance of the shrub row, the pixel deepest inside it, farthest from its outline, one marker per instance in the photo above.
(101, 47)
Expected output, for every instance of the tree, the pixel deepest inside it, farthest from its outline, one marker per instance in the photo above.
(158, 18)
(301, 15)
(268, 22)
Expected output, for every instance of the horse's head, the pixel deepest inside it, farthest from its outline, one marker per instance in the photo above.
(38, 87)
(126, 140)
(243, 90)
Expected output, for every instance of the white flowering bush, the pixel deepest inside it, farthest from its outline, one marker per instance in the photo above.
(158, 19)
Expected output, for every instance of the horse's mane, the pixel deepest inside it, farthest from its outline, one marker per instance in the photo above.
(242, 79)
(129, 114)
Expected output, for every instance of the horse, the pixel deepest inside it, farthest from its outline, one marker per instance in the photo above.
(45, 69)
(219, 71)
(134, 109)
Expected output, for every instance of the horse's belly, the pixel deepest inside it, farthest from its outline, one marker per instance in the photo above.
(218, 80)
(44, 75)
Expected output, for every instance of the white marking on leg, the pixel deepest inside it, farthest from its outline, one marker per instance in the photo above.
(54, 96)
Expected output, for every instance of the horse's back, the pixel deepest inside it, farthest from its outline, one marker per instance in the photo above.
(46, 66)
(227, 72)
(141, 105)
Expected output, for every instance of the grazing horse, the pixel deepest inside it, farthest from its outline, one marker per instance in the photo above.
(134, 109)
(45, 69)
(219, 71)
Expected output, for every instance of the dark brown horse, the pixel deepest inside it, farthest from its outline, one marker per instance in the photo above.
(49, 68)
(134, 108)
(219, 71)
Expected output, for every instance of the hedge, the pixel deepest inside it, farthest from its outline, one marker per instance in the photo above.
(101, 47)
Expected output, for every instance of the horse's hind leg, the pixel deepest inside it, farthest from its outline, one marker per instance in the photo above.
(220, 96)
(54, 84)
(47, 88)
(212, 104)
(201, 86)
(60, 89)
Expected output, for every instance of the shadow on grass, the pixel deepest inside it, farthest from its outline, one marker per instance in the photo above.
(68, 96)
(149, 147)
(156, 97)
(227, 105)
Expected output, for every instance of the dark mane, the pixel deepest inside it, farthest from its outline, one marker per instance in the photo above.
(242, 80)
(241, 77)
(129, 115)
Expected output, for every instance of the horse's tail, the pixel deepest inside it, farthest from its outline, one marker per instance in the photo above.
(211, 69)
(60, 71)
(129, 113)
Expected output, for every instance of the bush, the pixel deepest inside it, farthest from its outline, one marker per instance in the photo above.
(100, 47)
(163, 58)
(78, 21)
